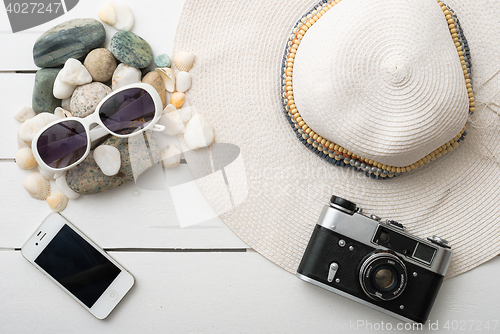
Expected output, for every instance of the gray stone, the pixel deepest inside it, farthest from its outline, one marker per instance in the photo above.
(162, 60)
(43, 99)
(71, 39)
(131, 49)
(138, 154)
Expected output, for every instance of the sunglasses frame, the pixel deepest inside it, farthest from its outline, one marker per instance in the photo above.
(101, 130)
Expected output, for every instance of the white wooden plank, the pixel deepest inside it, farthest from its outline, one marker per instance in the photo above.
(15, 92)
(154, 21)
(227, 293)
(136, 215)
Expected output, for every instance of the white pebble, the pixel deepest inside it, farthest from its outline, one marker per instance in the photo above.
(116, 15)
(72, 74)
(62, 185)
(108, 159)
(186, 111)
(172, 121)
(31, 126)
(183, 81)
(199, 133)
(170, 156)
(125, 75)
(24, 114)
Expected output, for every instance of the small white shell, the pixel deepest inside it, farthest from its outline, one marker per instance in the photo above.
(37, 186)
(183, 81)
(125, 75)
(61, 113)
(31, 126)
(57, 201)
(62, 185)
(168, 78)
(108, 159)
(170, 156)
(172, 122)
(25, 159)
(107, 13)
(199, 132)
(49, 175)
(24, 113)
(186, 111)
(184, 60)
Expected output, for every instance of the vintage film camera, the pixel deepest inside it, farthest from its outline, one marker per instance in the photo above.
(375, 263)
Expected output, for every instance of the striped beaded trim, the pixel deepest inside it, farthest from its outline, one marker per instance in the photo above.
(336, 154)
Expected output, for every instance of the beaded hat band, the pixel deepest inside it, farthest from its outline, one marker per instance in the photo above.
(342, 156)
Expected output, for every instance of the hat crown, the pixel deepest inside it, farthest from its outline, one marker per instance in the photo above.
(382, 78)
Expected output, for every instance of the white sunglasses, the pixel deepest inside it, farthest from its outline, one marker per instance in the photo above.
(125, 112)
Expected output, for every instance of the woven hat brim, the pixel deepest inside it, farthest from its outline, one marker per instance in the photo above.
(236, 84)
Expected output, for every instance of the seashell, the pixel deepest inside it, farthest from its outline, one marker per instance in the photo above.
(177, 99)
(57, 201)
(24, 113)
(125, 75)
(107, 14)
(168, 109)
(186, 111)
(172, 122)
(62, 185)
(168, 78)
(49, 175)
(25, 159)
(61, 113)
(116, 15)
(37, 186)
(183, 81)
(108, 159)
(154, 79)
(199, 133)
(170, 156)
(31, 126)
(184, 60)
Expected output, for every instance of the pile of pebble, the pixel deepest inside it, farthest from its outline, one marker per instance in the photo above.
(76, 73)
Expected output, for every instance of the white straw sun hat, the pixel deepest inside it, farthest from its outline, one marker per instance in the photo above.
(364, 99)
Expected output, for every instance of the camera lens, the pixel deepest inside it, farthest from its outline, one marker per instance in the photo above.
(383, 276)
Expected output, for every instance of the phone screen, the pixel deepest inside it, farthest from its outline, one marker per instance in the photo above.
(77, 266)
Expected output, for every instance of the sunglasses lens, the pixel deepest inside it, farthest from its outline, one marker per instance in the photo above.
(62, 144)
(128, 111)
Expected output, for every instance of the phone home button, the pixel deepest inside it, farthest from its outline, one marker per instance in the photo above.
(113, 295)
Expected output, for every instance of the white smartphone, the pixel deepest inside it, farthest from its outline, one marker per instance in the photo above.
(77, 265)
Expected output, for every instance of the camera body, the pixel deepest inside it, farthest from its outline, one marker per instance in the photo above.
(375, 263)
